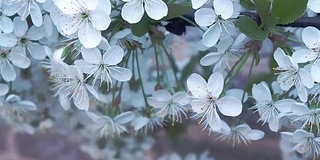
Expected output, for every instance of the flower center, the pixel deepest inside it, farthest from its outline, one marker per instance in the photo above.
(84, 15)
(24, 41)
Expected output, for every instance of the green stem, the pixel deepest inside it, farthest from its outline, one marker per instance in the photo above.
(249, 75)
(173, 64)
(235, 69)
(165, 71)
(157, 63)
(140, 79)
(294, 40)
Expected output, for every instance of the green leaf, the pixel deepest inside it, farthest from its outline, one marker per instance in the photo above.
(176, 10)
(263, 8)
(288, 10)
(141, 28)
(247, 4)
(250, 28)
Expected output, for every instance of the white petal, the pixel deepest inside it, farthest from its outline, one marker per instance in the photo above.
(100, 20)
(224, 44)
(311, 37)
(64, 101)
(19, 60)
(8, 73)
(4, 89)
(67, 6)
(180, 98)
(210, 59)
(156, 104)
(211, 36)
(284, 105)
(70, 25)
(223, 8)
(88, 36)
(198, 3)
(124, 117)
(8, 40)
(37, 51)
(213, 120)
(90, 5)
(20, 27)
(216, 83)
(302, 92)
(139, 122)
(161, 96)
(261, 93)
(27, 105)
(304, 55)
(197, 86)
(314, 5)
(120, 74)
(255, 135)
(36, 33)
(156, 9)
(306, 78)
(7, 24)
(36, 15)
(92, 55)
(315, 71)
(92, 91)
(205, 17)
(132, 11)
(279, 56)
(299, 109)
(81, 98)
(301, 134)
(229, 106)
(113, 55)
(244, 129)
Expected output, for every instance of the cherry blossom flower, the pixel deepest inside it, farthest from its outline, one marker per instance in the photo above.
(13, 105)
(291, 75)
(8, 58)
(173, 106)
(311, 38)
(304, 142)
(133, 10)
(85, 18)
(205, 100)
(25, 8)
(218, 19)
(70, 82)
(239, 134)
(269, 110)
(103, 67)
(111, 126)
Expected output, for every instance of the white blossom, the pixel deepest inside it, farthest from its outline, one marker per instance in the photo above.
(205, 99)
(85, 18)
(291, 75)
(103, 67)
(171, 106)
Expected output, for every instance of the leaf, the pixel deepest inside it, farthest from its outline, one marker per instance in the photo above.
(288, 10)
(263, 8)
(247, 4)
(176, 10)
(250, 28)
(141, 28)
